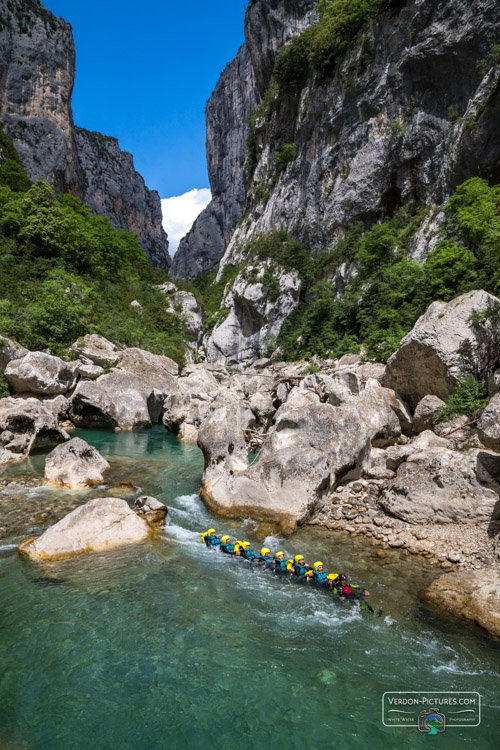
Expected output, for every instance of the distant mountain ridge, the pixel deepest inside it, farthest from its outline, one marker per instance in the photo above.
(37, 72)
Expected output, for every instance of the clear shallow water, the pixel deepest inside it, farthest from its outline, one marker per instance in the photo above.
(166, 645)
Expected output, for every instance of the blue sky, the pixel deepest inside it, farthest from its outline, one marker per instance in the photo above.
(144, 72)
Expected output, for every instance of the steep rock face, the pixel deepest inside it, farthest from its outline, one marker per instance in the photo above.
(114, 189)
(37, 71)
(384, 129)
(234, 97)
(268, 25)
(37, 67)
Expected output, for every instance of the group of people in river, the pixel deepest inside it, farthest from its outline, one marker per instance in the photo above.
(297, 568)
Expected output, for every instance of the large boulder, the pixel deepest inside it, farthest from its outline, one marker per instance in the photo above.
(441, 486)
(488, 428)
(446, 344)
(9, 350)
(40, 373)
(75, 464)
(156, 369)
(102, 523)
(475, 596)
(385, 413)
(27, 424)
(96, 349)
(425, 415)
(116, 400)
(309, 449)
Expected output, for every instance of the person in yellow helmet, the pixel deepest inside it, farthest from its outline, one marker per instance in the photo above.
(246, 551)
(226, 545)
(265, 557)
(301, 569)
(279, 562)
(210, 538)
(321, 578)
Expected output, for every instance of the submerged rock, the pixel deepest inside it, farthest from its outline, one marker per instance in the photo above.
(40, 373)
(102, 523)
(75, 464)
(475, 596)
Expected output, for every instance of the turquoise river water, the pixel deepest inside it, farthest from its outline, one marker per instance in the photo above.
(167, 645)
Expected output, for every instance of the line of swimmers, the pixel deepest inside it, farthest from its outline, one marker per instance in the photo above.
(297, 567)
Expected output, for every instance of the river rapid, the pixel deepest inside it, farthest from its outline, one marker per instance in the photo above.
(165, 644)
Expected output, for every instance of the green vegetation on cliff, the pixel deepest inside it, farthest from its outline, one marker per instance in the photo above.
(319, 46)
(388, 291)
(64, 273)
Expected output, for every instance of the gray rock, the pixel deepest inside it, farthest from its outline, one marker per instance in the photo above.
(97, 350)
(40, 373)
(27, 424)
(100, 524)
(255, 316)
(75, 464)
(151, 510)
(9, 350)
(494, 383)
(475, 596)
(89, 372)
(440, 486)
(488, 428)
(424, 417)
(310, 448)
(123, 399)
(443, 346)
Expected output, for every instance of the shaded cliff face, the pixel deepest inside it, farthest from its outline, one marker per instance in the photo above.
(114, 189)
(232, 100)
(403, 119)
(407, 116)
(268, 25)
(37, 70)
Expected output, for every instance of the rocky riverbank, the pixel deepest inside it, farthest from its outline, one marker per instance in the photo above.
(356, 447)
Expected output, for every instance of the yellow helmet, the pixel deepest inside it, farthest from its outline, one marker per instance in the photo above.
(225, 539)
(317, 564)
(333, 576)
(211, 531)
(279, 554)
(298, 557)
(265, 551)
(245, 544)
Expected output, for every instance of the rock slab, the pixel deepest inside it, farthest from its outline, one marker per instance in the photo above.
(100, 524)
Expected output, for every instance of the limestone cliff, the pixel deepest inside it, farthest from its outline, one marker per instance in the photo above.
(234, 97)
(37, 71)
(408, 113)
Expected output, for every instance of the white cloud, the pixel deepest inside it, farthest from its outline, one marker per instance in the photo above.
(180, 211)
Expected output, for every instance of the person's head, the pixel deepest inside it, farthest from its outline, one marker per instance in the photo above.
(318, 567)
(245, 545)
(299, 559)
(265, 552)
(280, 556)
(342, 579)
(211, 532)
(226, 540)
